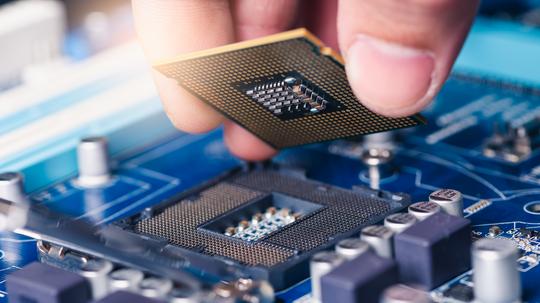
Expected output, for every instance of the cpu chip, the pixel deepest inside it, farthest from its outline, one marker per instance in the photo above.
(288, 89)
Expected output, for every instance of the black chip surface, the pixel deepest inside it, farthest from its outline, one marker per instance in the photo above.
(287, 89)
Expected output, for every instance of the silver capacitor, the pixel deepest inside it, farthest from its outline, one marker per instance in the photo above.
(399, 222)
(12, 187)
(384, 140)
(96, 271)
(450, 201)
(378, 162)
(379, 237)
(351, 248)
(184, 295)
(495, 274)
(320, 264)
(93, 162)
(125, 279)
(422, 210)
(400, 293)
(154, 287)
(241, 290)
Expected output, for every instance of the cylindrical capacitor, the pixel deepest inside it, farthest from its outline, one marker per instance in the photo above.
(351, 248)
(422, 210)
(379, 237)
(399, 222)
(322, 263)
(379, 140)
(450, 201)
(400, 293)
(378, 162)
(11, 187)
(96, 271)
(125, 279)
(184, 295)
(93, 162)
(496, 278)
(154, 287)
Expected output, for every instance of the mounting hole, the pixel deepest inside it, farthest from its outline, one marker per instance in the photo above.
(532, 208)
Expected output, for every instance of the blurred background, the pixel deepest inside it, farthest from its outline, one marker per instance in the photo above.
(72, 68)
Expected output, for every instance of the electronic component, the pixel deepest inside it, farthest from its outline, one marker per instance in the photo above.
(378, 162)
(93, 162)
(513, 143)
(382, 140)
(362, 279)
(433, 250)
(287, 89)
(494, 231)
(496, 278)
(184, 295)
(291, 96)
(153, 287)
(41, 283)
(12, 215)
(460, 292)
(380, 238)
(351, 248)
(319, 265)
(476, 207)
(242, 290)
(262, 223)
(450, 201)
(125, 279)
(400, 293)
(399, 222)
(321, 216)
(96, 271)
(11, 187)
(422, 210)
(124, 296)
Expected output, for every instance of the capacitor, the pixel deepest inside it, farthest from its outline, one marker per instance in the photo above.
(241, 290)
(400, 293)
(378, 162)
(379, 140)
(450, 201)
(496, 277)
(422, 210)
(125, 279)
(184, 295)
(351, 248)
(93, 162)
(320, 264)
(379, 237)
(96, 271)
(11, 187)
(399, 222)
(154, 287)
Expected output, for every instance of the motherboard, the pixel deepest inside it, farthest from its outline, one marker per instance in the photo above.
(188, 195)
(117, 205)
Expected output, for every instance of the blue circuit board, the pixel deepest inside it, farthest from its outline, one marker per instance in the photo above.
(152, 161)
(445, 153)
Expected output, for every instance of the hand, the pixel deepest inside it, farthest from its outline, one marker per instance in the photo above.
(398, 53)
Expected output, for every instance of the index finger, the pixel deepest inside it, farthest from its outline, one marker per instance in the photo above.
(167, 28)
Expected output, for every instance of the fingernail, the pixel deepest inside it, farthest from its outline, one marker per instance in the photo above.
(389, 78)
